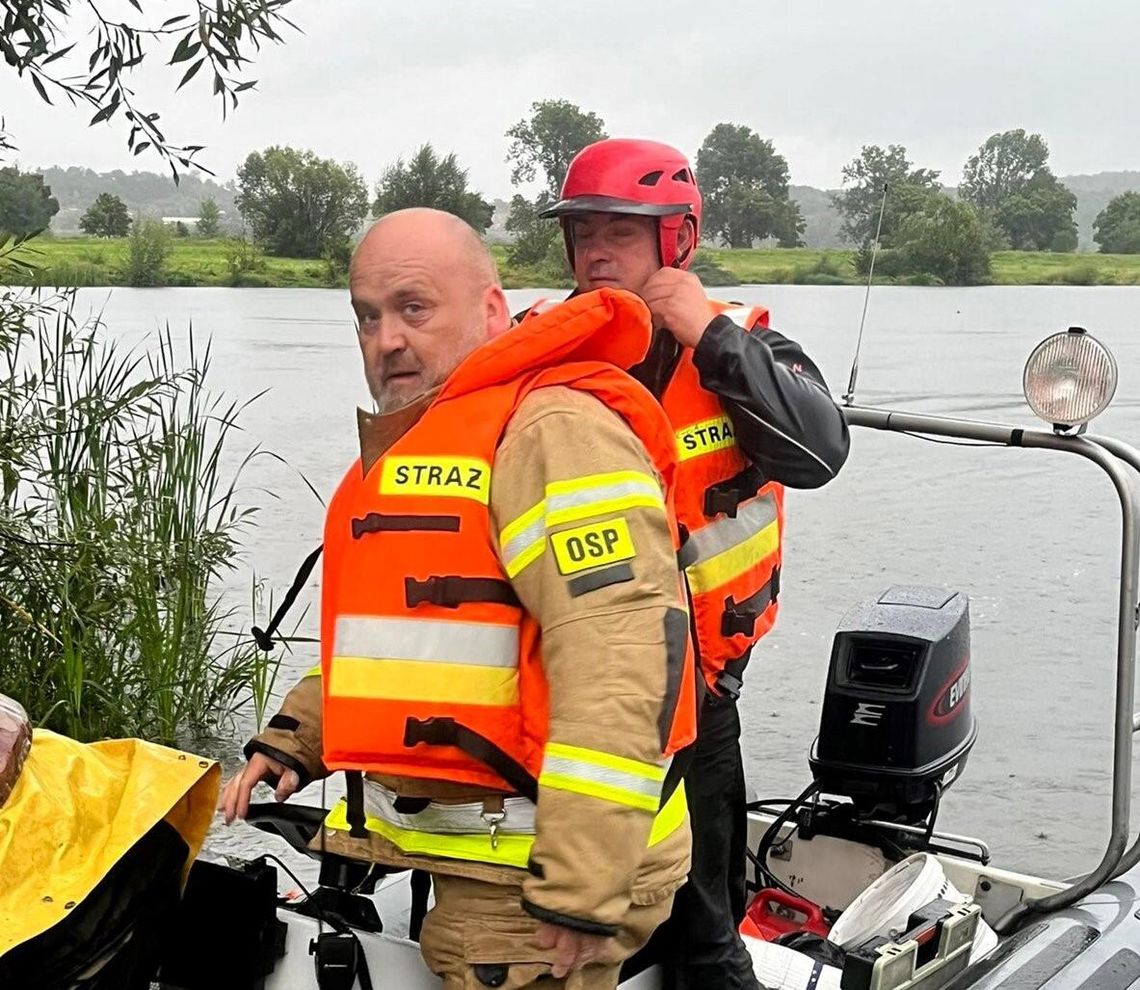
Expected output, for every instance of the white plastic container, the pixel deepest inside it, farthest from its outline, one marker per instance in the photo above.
(886, 905)
(780, 968)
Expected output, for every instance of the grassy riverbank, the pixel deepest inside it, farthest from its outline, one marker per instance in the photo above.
(193, 261)
(833, 267)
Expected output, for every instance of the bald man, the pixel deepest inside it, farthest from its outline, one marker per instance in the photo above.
(503, 641)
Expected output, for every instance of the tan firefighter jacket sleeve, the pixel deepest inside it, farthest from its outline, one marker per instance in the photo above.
(600, 577)
(293, 735)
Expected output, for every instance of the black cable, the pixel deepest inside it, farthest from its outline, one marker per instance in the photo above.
(763, 806)
(766, 804)
(305, 890)
(952, 443)
(362, 973)
(761, 858)
(264, 637)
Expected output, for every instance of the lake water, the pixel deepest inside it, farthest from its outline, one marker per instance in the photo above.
(1031, 536)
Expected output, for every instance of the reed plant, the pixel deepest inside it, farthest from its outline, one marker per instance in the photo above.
(118, 519)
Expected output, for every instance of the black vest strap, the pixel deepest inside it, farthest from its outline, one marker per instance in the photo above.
(264, 637)
(379, 522)
(740, 617)
(354, 804)
(726, 496)
(730, 681)
(452, 591)
(448, 732)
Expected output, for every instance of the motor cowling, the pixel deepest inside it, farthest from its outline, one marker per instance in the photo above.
(897, 726)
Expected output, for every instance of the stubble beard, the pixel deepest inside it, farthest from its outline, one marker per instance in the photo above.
(389, 400)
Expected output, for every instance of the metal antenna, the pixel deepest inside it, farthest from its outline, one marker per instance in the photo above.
(849, 395)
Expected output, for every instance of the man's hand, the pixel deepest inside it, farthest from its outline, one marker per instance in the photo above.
(572, 949)
(234, 799)
(678, 302)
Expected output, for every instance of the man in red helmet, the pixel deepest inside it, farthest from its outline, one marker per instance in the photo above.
(752, 414)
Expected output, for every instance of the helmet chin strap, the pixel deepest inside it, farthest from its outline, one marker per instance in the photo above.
(679, 259)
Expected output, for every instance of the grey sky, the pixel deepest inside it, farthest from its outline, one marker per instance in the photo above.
(370, 80)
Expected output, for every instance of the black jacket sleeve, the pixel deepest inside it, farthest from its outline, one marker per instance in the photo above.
(785, 419)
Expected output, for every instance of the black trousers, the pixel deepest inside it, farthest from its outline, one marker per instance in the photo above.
(699, 945)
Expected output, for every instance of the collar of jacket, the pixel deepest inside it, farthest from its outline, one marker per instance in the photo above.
(378, 431)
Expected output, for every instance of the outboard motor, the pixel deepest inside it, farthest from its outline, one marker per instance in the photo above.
(896, 726)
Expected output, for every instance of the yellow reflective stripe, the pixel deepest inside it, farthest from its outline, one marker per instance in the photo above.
(604, 792)
(671, 817)
(313, 671)
(602, 775)
(510, 850)
(722, 568)
(708, 541)
(523, 539)
(413, 680)
(597, 494)
(596, 757)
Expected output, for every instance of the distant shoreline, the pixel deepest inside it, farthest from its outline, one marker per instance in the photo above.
(99, 262)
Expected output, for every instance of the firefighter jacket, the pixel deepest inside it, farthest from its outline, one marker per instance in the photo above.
(504, 639)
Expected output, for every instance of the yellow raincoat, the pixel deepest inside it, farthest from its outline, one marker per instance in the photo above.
(77, 808)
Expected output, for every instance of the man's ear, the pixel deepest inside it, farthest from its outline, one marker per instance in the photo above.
(496, 311)
(686, 238)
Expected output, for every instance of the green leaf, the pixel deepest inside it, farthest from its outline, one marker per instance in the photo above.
(191, 72)
(40, 89)
(191, 52)
(105, 114)
(186, 49)
(141, 147)
(63, 51)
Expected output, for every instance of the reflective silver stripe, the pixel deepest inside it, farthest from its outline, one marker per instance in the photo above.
(608, 776)
(447, 819)
(524, 539)
(751, 517)
(601, 493)
(372, 637)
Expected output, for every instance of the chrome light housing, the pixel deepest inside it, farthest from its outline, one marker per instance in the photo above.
(1069, 379)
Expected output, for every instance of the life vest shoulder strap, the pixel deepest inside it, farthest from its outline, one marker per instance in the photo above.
(747, 317)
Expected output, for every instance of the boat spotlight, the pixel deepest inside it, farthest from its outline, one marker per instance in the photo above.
(1069, 379)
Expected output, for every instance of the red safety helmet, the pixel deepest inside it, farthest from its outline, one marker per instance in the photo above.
(646, 178)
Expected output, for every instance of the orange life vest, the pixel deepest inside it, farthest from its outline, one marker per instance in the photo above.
(732, 520)
(422, 637)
